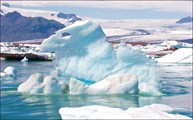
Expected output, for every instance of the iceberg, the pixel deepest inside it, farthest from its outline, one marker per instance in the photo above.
(82, 54)
(182, 55)
(8, 72)
(154, 111)
(24, 59)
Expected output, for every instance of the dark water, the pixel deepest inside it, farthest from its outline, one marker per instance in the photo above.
(176, 85)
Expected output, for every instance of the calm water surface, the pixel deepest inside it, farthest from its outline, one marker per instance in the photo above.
(176, 85)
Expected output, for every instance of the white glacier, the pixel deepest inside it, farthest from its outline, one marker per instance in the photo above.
(154, 111)
(85, 55)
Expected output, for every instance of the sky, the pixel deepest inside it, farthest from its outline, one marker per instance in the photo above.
(114, 9)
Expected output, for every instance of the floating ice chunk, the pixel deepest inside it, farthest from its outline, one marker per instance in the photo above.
(38, 84)
(4, 75)
(175, 44)
(24, 59)
(182, 55)
(154, 111)
(1, 58)
(114, 84)
(86, 55)
(9, 72)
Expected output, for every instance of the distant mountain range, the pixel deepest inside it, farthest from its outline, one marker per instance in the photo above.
(185, 20)
(6, 4)
(22, 24)
(71, 17)
(15, 27)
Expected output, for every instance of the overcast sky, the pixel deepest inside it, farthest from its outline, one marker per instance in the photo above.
(114, 9)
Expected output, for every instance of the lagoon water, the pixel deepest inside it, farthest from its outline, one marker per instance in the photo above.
(176, 82)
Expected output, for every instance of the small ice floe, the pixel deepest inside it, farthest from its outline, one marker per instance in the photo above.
(153, 57)
(1, 58)
(182, 55)
(8, 72)
(154, 111)
(38, 84)
(24, 59)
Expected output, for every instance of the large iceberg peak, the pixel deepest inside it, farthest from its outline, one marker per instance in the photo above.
(78, 35)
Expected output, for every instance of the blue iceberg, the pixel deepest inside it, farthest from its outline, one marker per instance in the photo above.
(84, 58)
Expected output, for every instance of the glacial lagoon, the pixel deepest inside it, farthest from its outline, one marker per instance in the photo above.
(176, 82)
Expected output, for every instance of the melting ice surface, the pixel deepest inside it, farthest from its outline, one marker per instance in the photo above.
(84, 56)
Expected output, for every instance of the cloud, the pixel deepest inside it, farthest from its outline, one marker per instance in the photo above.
(168, 6)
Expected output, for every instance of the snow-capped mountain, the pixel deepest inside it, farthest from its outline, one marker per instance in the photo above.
(6, 4)
(15, 27)
(25, 24)
(63, 18)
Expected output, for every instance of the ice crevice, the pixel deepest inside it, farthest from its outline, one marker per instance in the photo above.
(88, 64)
